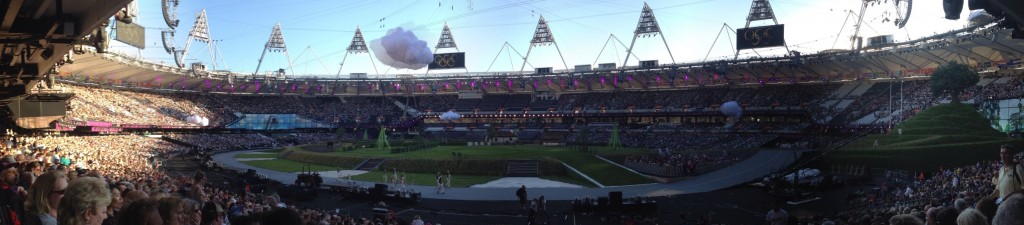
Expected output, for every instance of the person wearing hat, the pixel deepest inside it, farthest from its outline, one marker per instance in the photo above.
(213, 214)
(7, 162)
(12, 211)
(417, 221)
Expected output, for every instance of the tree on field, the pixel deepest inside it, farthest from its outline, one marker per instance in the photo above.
(491, 132)
(952, 79)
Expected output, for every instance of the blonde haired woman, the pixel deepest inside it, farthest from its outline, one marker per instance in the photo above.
(85, 202)
(45, 194)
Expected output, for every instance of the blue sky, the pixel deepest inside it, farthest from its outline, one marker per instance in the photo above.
(481, 28)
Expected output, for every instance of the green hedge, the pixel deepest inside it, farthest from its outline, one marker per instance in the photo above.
(483, 167)
(409, 148)
(321, 159)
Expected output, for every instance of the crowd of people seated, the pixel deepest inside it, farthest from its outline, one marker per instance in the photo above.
(133, 107)
(457, 136)
(222, 142)
(677, 141)
(306, 138)
(667, 163)
(324, 109)
(219, 142)
(117, 180)
(696, 99)
(433, 103)
(129, 107)
(942, 197)
(908, 98)
(694, 141)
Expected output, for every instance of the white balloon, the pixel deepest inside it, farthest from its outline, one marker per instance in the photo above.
(450, 115)
(732, 109)
(193, 119)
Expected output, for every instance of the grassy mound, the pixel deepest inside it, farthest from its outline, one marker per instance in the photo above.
(942, 136)
(939, 125)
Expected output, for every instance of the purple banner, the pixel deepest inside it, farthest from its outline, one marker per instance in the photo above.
(98, 124)
(105, 129)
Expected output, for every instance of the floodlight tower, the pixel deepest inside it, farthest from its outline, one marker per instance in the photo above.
(902, 9)
(646, 27)
(275, 44)
(357, 46)
(200, 32)
(541, 37)
(446, 40)
(760, 10)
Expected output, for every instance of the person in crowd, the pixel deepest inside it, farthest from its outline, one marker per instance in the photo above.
(172, 210)
(44, 196)
(960, 204)
(905, 219)
(448, 179)
(84, 203)
(213, 214)
(1011, 175)
(141, 212)
(946, 216)
(971, 217)
(1011, 211)
(134, 195)
(244, 220)
(31, 171)
(193, 215)
(116, 203)
(12, 211)
(987, 207)
(777, 216)
(417, 220)
(281, 216)
(521, 194)
(439, 179)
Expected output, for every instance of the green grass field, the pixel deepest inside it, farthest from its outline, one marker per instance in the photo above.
(285, 165)
(256, 155)
(943, 136)
(485, 152)
(458, 181)
(600, 170)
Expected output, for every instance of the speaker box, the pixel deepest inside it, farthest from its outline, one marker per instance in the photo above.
(380, 190)
(977, 4)
(952, 8)
(615, 198)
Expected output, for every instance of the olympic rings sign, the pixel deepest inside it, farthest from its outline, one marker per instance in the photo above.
(760, 37)
(448, 61)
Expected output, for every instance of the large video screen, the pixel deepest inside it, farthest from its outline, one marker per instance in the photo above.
(1005, 115)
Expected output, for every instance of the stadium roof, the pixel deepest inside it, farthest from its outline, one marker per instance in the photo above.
(986, 45)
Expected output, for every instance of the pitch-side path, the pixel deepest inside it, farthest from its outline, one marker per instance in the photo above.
(753, 168)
